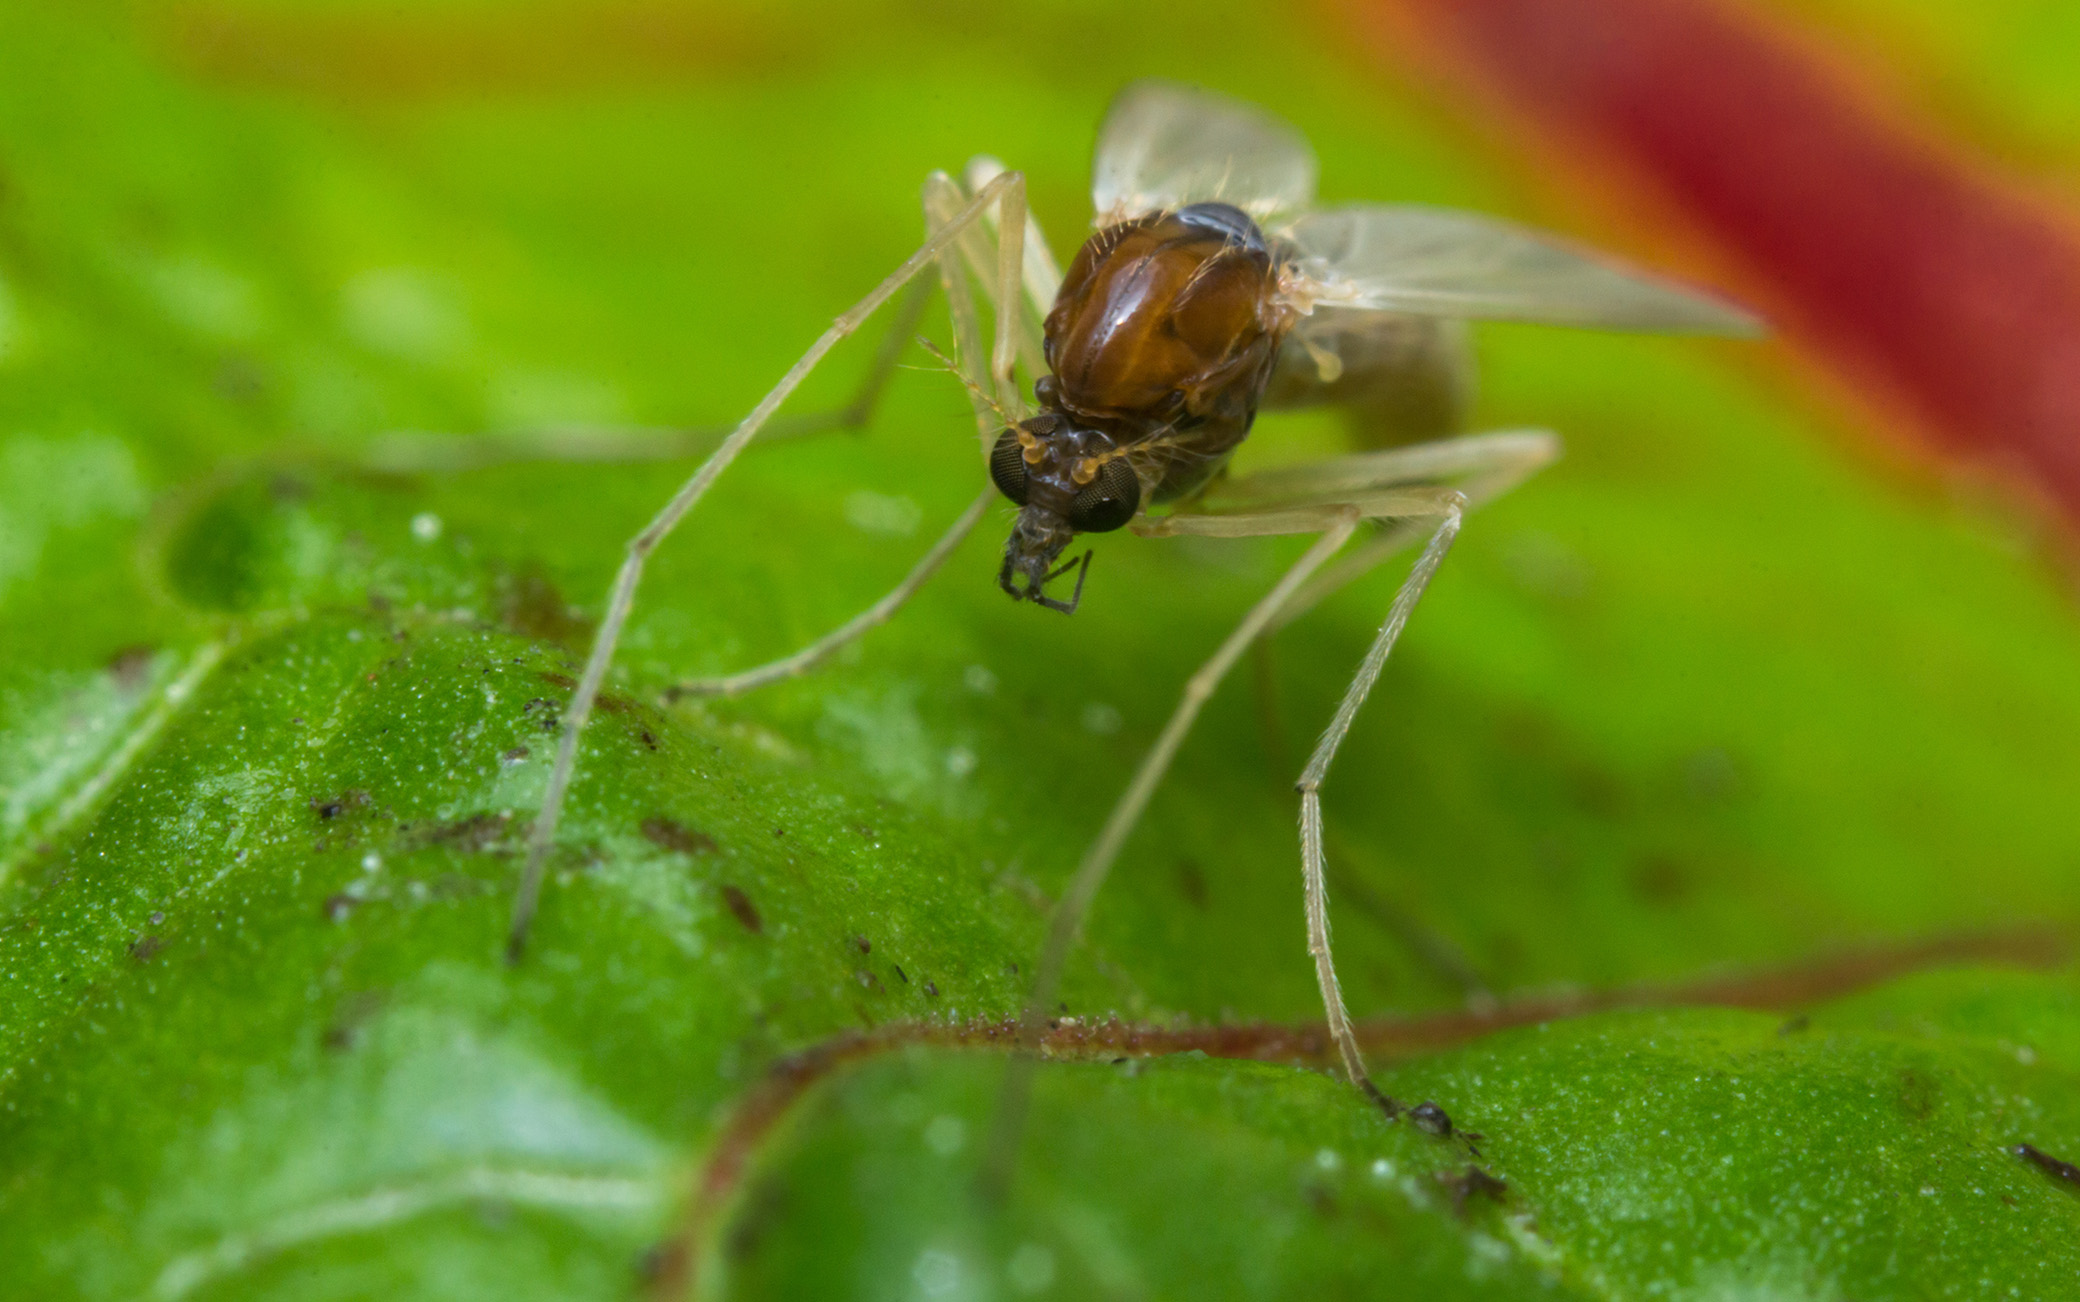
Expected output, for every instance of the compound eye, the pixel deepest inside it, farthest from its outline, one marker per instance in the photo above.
(1007, 466)
(1109, 502)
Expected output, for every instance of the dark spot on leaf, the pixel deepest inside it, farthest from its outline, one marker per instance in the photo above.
(1919, 1094)
(378, 603)
(530, 605)
(740, 905)
(654, 1261)
(765, 1206)
(1660, 879)
(477, 834)
(668, 835)
(1795, 1025)
(648, 740)
(239, 379)
(353, 1014)
(145, 946)
(1596, 790)
(217, 557)
(2057, 1168)
(330, 807)
(864, 945)
(130, 665)
(1191, 883)
(605, 703)
(1469, 1184)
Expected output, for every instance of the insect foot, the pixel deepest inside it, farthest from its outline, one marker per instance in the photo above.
(1432, 1120)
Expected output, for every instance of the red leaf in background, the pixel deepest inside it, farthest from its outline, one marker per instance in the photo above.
(1913, 268)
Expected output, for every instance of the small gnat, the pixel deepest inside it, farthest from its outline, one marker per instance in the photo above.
(870, 512)
(1100, 718)
(960, 762)
(426, 526)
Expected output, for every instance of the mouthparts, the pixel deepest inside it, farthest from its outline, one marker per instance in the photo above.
(1036, 540)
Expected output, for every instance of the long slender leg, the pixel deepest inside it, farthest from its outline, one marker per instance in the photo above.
(802, 661)
(1399, 484)
(1337, 525)
(1043, 279)
(412, 452)
(942, 198)
(1404, 504)
(1483, 466)
(622, 596)
(1313, 866)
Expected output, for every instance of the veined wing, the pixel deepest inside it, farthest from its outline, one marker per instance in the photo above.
(1164, 146)
(1438, 262)
(1398, 376)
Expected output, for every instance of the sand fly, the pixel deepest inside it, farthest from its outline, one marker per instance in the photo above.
(1211, 288)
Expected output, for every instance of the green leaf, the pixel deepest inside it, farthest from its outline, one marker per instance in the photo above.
(1714, 693)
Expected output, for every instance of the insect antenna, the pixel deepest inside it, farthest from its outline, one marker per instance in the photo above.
(975, 391)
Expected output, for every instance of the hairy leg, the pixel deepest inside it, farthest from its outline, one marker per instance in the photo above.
(1336, 527)
(622, 596)
(1399, 487)
(960, 269)
(413, 452)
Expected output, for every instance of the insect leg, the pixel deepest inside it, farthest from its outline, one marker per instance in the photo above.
(1313, 866)
(942, 199)
(802, 661)
(622, 596)
(1482, 466)
(1373, 484)
(1336, 525)
(414, 452)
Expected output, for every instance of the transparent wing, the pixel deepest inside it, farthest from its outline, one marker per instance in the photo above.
(1437, 262)
(1164, 146)
(1397, 377)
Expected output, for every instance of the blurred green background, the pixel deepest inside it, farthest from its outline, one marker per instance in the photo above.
(1724, 690)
